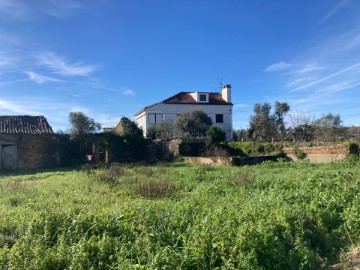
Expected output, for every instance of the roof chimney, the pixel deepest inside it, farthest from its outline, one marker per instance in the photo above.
(226, 93)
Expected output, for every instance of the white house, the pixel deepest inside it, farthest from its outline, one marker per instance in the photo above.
(218, 107)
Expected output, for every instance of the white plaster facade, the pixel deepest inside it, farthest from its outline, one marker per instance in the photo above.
(217, 106)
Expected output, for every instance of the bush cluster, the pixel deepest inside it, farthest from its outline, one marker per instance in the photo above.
(254, 148)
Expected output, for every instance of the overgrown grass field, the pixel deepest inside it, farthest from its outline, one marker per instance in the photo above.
(177, 216)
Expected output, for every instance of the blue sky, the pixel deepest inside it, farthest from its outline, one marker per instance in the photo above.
(110, 58)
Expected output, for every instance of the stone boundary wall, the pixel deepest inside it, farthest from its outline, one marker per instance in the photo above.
(319, 154)
(235, 161)
(35, 151)
(209, 160)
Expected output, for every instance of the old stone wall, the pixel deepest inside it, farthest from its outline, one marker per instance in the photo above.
(318, 154)
(236, 161)
(161, 149)
(209, 160)
(35, 151)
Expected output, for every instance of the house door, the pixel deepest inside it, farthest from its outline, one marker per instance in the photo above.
(8, 156)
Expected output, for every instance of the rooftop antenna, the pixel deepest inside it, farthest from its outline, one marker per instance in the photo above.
(220, 83)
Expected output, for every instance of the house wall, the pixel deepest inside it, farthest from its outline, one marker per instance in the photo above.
(34, 151)
(171, 111)
(141, 121)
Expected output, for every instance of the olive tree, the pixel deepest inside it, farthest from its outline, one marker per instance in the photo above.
(195, 122)
(329, 128)
(265, 126)
(82, 126)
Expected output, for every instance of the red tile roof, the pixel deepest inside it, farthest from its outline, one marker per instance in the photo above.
(186, 98)
(24, 125)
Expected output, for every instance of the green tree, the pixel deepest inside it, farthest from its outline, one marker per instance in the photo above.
(329, 128)
(194, 122)
(281, 109)
(241, 135)
(133, 143)
(129, 129)
(329, 120)
(265, 126)
(262, 125)
(82, 127)
(217, 135)
(303, 133)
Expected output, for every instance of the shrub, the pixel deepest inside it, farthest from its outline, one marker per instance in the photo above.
(116, 170)
(108, 178)
(155, 189)
(354, 149)
(88, 170)
(254, 148)
(161, 130)
(216, 151)
(217, 135)
(300, 154)
(144, 170)
(192, 149)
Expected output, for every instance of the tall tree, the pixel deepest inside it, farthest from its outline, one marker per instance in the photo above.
(265, 126)
(81, 127)
(300, 118)
(328, 127)
(329, 120)
(281, 108)
(262, 125)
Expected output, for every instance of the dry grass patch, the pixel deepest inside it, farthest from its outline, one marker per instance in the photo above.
(155, 188)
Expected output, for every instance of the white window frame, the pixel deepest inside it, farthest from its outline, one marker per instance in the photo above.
(156, 117)
(206, 97)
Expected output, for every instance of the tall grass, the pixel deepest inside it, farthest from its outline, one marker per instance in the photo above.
(271, 216)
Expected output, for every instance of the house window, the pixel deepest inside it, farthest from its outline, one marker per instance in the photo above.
(219, 118)
(202, 97)
(155, 118)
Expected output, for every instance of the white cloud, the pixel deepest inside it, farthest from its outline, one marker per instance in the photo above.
(24, 10)
(5, 60)
(128, 92)
(61, 66)
(336, 87)
(354, 42)
(349, 68)
(78, 108)
(10, 107)
(281, 66)
(15, 9)
(309, 68)
(240, 106)
(40, 79)
(107, 120)
(297, 81)
(62, 9)
(334, 10)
